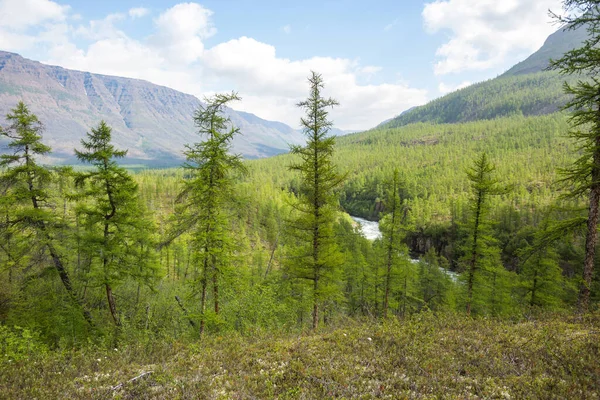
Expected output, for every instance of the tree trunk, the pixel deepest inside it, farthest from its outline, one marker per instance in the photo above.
(203, 295)
(592, 233)
(215, 279)
(390, 250)
(315, 313)
(474, 254)
(112, 305)
(56, 260)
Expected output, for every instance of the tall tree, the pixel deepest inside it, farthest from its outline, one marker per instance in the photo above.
(203, 211)
(116, 228)
(26, 189)
(480, 247)
(319, 257)
(392, 232)
(584, 175)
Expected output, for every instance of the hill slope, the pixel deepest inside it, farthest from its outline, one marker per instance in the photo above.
(525, 89)
(153, 122)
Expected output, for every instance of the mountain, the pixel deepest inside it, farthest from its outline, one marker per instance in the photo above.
(525, 89)
(152, 121)
(553, 48)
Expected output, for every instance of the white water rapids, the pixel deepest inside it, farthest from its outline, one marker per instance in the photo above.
(370, 230)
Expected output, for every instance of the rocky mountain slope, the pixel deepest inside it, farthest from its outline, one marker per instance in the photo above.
(153, 122)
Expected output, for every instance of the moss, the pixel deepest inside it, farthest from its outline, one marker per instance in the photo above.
(424, 357)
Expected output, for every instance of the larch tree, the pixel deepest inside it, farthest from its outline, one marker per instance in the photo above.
(26, 188)
(392, 232)
(318, 257)
(203, 209)
(480, 249)
(583, 176)
(114, 224)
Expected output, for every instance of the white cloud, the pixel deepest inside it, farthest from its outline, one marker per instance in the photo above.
(20, 14)
(138, 12)
(287, 29)
(484, 33)
(271, 86)
(174, 55)
(18, 17)
(181, 30)
(102, 29)
(447, 88)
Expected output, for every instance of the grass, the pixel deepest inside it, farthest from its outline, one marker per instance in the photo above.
(422, 357)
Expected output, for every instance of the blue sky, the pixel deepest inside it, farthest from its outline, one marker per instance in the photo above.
(377, 58)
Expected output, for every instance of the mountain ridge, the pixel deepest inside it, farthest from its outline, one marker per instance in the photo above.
(153, 121)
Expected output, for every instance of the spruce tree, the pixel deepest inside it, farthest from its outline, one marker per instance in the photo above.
(115, 227)
(26, 189)
(318, 258)
(211, 171)
(583, 176)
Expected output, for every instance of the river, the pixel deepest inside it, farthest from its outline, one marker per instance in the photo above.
(369, 229)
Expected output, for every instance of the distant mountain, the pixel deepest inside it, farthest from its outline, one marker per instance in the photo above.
(554, 47)
(525, 89)
(153, 122)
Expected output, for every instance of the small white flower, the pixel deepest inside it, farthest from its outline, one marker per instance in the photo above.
(99, 360)
(369, 339)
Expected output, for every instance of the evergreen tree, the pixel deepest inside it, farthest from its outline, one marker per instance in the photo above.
(26, 190)
(434, 281)
(584, 174)
(208, 189)
(392, 232)
(318, 259)
(481, 251)
(542, 283)
(116, 229)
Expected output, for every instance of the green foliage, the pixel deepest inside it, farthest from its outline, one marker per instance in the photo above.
(482, 258)
(210, 171)
(583, 176)
(317, 258)
(17, 344)
(522, 95)
(117, 236)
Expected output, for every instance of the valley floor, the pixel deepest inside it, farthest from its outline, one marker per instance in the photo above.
(423, 357)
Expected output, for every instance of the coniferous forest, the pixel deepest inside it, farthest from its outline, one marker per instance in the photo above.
(229, 278)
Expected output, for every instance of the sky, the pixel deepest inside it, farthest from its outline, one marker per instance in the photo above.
(377, 58)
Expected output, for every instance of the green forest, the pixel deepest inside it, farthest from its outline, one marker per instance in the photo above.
(229, 278)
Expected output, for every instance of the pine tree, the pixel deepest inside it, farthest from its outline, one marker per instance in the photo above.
(208, 190)
(116, 229)
(318, 259)
(584, 175)
(481, 251)
(26, 189)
